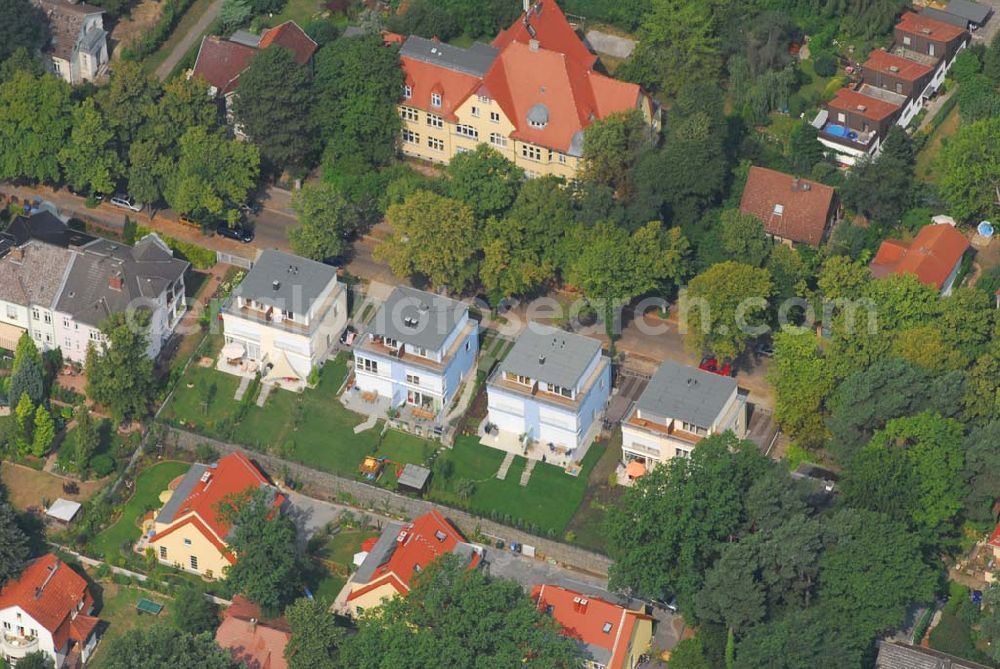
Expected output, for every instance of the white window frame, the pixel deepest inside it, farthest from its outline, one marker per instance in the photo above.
(436, 99)
(435, 143)
(407, 92)
(495, 116)
(466, 131)
(496, 139)
(435, 121)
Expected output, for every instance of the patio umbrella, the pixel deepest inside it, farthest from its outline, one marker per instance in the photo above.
(635, 469)
(233, 350)
(282, 369)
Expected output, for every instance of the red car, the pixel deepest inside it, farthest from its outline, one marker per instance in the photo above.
(711, 364)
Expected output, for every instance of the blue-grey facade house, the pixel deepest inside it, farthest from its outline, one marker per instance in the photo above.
(417, 351)
(552, 388)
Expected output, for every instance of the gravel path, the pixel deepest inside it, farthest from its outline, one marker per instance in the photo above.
(168, 65)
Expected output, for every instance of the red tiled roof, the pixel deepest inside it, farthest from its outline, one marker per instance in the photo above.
(195, 522)
(232, 475)
(805, 205)
(256, 644)
(49, 591)
(426, 78)
(220, 62)
(593, 621)
(551, 29)
(293, 38)
(995, 537)
(243, 609)
(906, 69)
(918, 24)
(558, 74)
(931, 256)
(418, 544)
(573, 95)
(870, 108)
(81, 627)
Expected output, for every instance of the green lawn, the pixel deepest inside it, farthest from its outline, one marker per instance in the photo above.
(928, 155)
(313, 427)
(334, 561)
(548, 502)
(148, 486)
(117, 609)
(300, 11)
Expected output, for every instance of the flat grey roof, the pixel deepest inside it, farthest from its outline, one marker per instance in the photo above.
(379, 554)
(686, 393)
(284, 281)
(246, 38)
(972, 11)
(945, 17)
(181, 493)
(63, 509)
(418, 318)
(475, 60)
(549, 354)
(414, 476)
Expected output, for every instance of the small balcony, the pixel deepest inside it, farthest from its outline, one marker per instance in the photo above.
(18, 646)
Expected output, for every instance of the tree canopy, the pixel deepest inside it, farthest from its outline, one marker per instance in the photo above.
(165, 647)
(969, 171)
(119, 371)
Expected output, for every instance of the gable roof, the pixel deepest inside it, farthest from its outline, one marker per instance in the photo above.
(545, 22)
(285, 281)
(602, 628)
(552, 355)
(873, 109)
(882, 61)
(49, 591)
(789, 207)
(426, 78)
(899, 655)
(687, 394)
(258, 643)
(418, 318)
(930, 257)
(46, 227)
(290, 36)
(145, 270)
(204, 487)
(403, 551)
(220, 62)
(924, 26)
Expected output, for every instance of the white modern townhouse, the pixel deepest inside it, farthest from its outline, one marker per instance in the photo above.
(417, 351)
(283, 319)
(552, 389)
(680, 406)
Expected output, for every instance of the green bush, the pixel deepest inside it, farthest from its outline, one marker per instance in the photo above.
(824, 64)
(171, 14)
(198, 256)
(942, 113)
(102, 464)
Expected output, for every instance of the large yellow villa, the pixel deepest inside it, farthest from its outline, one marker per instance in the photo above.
(530, 94)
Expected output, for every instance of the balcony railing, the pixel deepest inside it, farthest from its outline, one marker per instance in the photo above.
(19, 642)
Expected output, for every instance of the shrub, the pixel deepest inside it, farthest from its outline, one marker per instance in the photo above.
(824, 64)
(102, 464)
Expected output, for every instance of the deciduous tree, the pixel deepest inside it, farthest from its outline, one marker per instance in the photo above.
(484, 180)
(743, 238)
(212, 171)
(274, 107)
(193, 613)
(127, 101)
(24, 27)
(459, 618)
(727, 307)
(802, 382)
(90, 161)
(611, 148)
(433, 236)
(119, 372)
(326, 221)
(34, 125)
(316, 637)
(165, 647)
(968, 169)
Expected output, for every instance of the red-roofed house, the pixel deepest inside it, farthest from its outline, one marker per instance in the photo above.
(856, 123)
(930, 37)
(221, 61)
(254, 642)
(400, 553)
(934, 256)
(189, 531)
(903, 76)
(792, 209)
(530, 95)
(47, 609)
(611, 636)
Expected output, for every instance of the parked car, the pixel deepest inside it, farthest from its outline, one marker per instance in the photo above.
(237, 232)
(125, 202)
(711, 364)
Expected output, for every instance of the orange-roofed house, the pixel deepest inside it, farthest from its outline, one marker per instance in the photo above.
(530, 95)
(190, 532)
(47, 609)
(255, 643)
(402, 552)
(611, 636)
(926, 36)
(934, 256)
(913, 79)
(855, 122)
(792, 209)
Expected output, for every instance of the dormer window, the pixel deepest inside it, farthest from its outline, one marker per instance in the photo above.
(538, 116)
(436, 99)
(407, 92)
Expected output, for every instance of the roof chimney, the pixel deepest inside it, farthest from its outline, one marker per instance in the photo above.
(795, 183)
(115, 281)
(533, 44)
(276, 284)
(527, 6)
